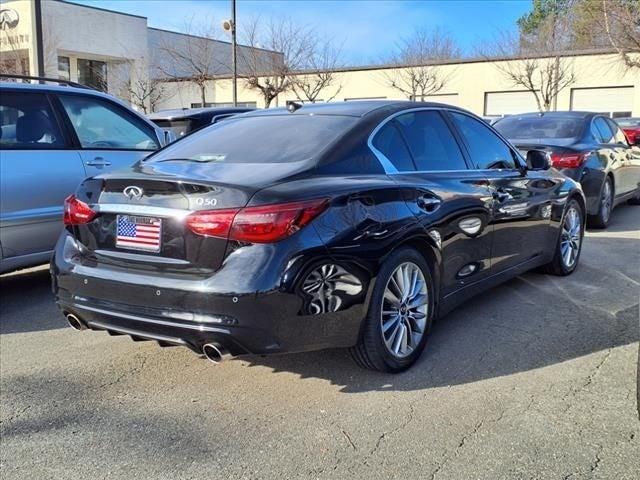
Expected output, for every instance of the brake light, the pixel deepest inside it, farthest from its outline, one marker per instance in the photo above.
(632, 135)
(568, 160)
(214, 223)
(263, 224)
(76, 212)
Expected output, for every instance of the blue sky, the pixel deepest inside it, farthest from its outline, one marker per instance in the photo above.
(367, 31)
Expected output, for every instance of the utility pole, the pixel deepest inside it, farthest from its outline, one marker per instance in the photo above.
(234, 60)
(39, 42)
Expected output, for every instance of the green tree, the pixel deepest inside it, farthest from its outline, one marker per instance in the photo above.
(541, 12)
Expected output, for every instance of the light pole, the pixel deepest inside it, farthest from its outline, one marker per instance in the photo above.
(230, 26)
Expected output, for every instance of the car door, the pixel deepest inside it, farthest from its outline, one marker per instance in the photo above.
(630, 178)
(38, 169)
(611, 155)
(451, 201)
(109, 136)
(522, 199)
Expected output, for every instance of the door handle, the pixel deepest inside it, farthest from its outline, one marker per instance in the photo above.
(98, 162)
(428, 203)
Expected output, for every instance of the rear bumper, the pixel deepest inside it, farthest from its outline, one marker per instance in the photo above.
(194, 312)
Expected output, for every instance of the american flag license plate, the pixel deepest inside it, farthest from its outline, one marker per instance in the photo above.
(138, 233)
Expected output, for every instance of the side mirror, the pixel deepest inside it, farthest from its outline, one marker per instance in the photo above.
(538, 160)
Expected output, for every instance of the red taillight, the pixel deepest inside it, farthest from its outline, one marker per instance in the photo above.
(214, 223)
(632, 135)
(264, 224)
(76, 212)
(568, 160)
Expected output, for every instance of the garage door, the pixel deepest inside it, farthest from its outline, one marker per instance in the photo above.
(509, 103)
(615, 101)
(448, 98)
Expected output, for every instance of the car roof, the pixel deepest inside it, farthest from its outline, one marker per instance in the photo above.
(560, 113)
(175, 113)
(355, 108)
(47, 87)
(44, 87)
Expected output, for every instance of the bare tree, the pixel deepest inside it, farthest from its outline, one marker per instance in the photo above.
(416, 73)
(195, 56)
(137, 84)
(536, 63)
(622, 25)
(271, 71)
(320, 73)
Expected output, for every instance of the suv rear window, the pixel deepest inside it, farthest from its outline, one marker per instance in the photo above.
(522, 127)
(260, 139)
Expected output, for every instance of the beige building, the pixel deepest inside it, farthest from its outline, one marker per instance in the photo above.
(601, 84)
(101, 48)
(107, 50)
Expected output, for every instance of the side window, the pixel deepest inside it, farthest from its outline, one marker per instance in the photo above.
(99, 124)
(390, 143)
(27, 122)
(486, 148)
(431, 142)
(618, 134)
(605, 133)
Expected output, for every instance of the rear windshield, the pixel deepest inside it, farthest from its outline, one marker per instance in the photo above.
(539, 127)
(628, 122)
(261, 139)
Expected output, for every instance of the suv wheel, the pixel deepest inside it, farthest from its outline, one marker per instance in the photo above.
(400, 314)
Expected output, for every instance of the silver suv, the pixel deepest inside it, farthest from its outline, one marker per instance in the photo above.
(51, 138)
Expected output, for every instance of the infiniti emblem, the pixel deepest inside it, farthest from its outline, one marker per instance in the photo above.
(132, 192)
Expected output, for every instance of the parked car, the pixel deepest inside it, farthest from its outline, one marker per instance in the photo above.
(51, 138)
(631, 128)
(337, 225)
(184, 121)
(589, 148)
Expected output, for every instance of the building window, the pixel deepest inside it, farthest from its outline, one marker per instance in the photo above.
(353, 99)
(225, 104)
(64, 70)
(92, 73)
(620, 114)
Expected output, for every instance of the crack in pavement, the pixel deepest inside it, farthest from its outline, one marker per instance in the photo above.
(126, 373)
(384, 435)
(588, 381)
(348, 437)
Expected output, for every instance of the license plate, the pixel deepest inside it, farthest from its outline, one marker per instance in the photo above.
(138, 233)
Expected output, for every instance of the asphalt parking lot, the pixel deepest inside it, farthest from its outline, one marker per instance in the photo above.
(534, 379)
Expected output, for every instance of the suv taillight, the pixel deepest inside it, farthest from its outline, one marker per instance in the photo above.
(76, 212)
(568, 160)
(263, 224)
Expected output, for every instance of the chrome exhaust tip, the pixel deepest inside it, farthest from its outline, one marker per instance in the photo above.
(215, 353)
(74, 322)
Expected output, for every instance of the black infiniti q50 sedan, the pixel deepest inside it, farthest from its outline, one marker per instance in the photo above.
(339, 225)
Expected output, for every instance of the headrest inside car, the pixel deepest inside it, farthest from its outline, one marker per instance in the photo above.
(32, 126)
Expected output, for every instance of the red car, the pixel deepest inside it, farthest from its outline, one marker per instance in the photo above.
(631, 128)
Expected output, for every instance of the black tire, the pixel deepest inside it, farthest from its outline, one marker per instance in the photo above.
(371, 352)
(601, 219)
(558, 266)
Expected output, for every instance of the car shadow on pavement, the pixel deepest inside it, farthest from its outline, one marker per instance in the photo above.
(530, 322)
(27, 303)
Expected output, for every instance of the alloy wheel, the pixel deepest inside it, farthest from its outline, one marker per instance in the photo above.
(571, 237)
(404, 310)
